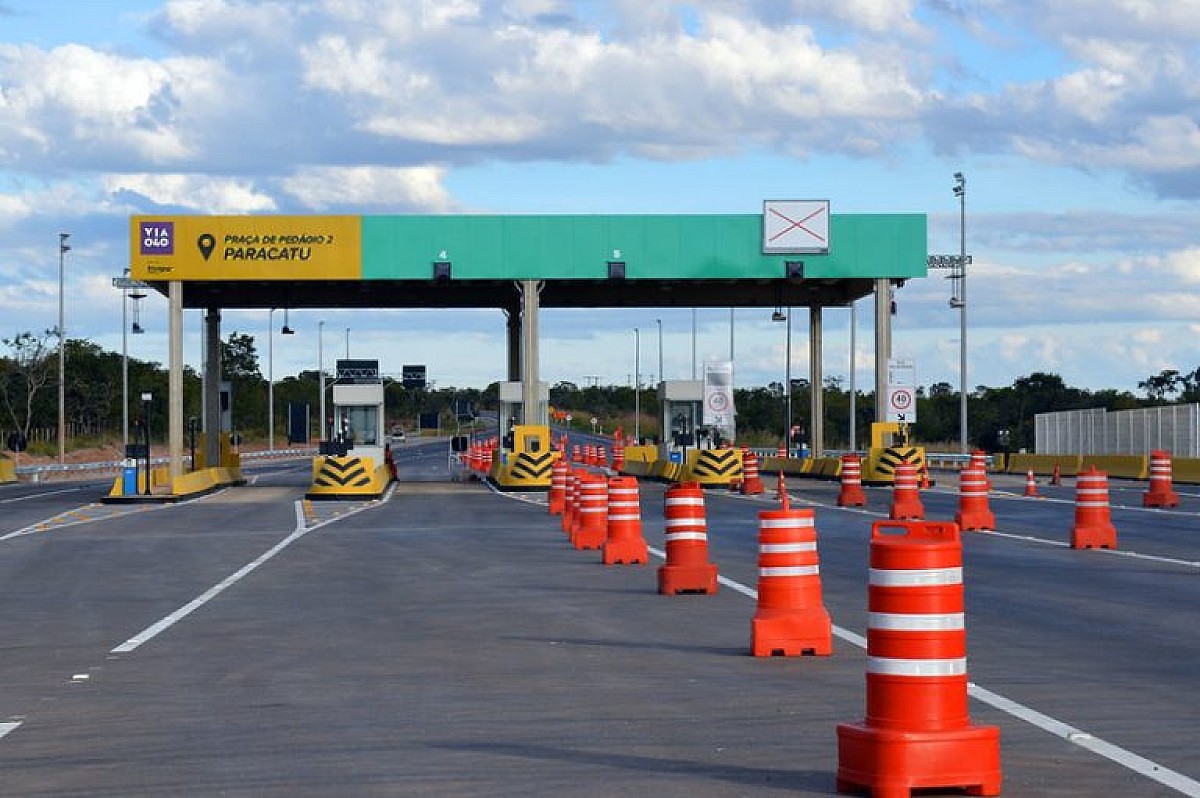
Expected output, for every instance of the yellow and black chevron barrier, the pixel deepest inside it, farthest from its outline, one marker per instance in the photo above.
(527, 466)
(523, 471)
(882, 462)
(713, 466)
(348, 477)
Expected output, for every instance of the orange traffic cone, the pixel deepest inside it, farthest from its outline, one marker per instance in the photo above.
(781, 489)
(1030, 484)
(917, 733)
(624, 543)
(851, 494)
(687, 569)
(1160, 493)
(906, 499)
(1093, 518)
(752, 484)
(790, 619)
(973, 510)
(1056, 477)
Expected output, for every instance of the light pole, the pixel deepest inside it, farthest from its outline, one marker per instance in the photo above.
(660, 350)
(960, 191)
(787, 423)
(321, 376)
(63, 249)
(853, 398)
(637, 385)
(693, 344)
(347, 343)
(271, 380)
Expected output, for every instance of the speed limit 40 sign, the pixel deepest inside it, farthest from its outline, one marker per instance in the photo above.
(902, 404)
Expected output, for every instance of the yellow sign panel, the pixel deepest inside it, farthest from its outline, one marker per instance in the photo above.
(246, 248)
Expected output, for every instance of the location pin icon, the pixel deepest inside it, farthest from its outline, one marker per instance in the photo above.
(206, 243)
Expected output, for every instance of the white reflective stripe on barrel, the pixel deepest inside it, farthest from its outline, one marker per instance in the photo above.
(675, 523)
(786, 523)
(623, 504)
(673, 536)
(787, 548)
(793, 570)
(916, 577)
(885, 666)
(685, 501)
(615, 517)
(917, 622)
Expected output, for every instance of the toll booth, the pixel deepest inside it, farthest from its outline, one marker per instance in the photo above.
(352, 462)
(510, 397)
(358, 408)
(681, 403)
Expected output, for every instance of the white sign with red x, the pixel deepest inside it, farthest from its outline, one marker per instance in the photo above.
(795, 227)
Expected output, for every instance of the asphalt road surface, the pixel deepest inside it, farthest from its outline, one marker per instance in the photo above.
(447, 640)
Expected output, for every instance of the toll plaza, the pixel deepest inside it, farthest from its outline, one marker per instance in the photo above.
(796, 253)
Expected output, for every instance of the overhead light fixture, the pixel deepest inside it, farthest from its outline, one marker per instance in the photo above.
(616, 270)
(441, 267)
(286, 329)
(778, 315)
(136, 329)
(794, 269)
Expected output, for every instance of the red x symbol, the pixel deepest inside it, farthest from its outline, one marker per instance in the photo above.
(794, 225)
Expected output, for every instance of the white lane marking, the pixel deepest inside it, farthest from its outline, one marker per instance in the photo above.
(40, 495)
(6, 728)
(160, 626)
(1114, 753)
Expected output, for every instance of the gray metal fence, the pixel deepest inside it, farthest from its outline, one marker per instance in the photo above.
(1175, 428)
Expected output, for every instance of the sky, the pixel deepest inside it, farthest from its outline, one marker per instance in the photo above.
(1075, 123)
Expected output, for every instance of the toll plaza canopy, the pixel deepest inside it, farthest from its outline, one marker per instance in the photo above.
(476, 261)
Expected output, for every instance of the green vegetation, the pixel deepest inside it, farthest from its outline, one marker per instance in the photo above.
(28, 399)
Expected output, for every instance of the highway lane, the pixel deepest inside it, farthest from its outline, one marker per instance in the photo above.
(1097, 640)
(447, 641)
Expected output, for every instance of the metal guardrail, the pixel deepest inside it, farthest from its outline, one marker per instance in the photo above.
(37, 471)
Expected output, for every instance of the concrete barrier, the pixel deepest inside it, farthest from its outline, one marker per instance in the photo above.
(1186, 469)
(8, 470)
(1043, 464)
(1124, 466)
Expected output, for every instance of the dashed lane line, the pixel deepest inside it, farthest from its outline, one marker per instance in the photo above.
(1114, 753)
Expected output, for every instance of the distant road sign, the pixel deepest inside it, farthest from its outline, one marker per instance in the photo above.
(413, 376)
(127, 282)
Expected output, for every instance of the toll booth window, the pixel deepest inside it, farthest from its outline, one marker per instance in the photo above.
(533, 444)
(359, 425)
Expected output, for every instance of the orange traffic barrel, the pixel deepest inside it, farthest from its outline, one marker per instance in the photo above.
(1030, 484)
(571, 502)
(917, 732)
(558, 486)
(791, 619)
(687, 569)
(1160, 493)
(851, 494)
(601, 456)
(618, 455)
(973, 511)
(1093, 518)
(752, 483)
(576, 457)
(624, 543)
(592, 529)
(906, 498)
(781, 451)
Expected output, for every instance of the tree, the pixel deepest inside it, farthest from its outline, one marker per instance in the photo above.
(1160, 385)
(25, 374)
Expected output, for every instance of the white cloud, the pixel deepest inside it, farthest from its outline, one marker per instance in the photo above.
(415, 189)
(197, 193)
